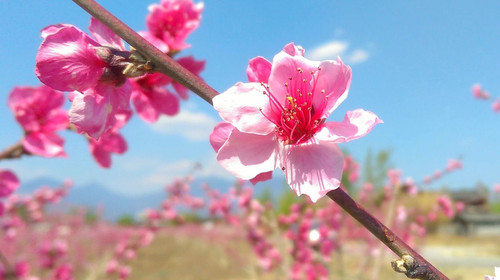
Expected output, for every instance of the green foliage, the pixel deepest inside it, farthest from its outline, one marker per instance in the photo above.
(91, 217)
(375, 167)
(266, 196)
(495, 207)
(287, 198)
(126, 220)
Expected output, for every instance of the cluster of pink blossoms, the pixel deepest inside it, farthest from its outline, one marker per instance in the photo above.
(451, 166)
(8, 184)
(278, 120)
(479, 93)
(103, 78)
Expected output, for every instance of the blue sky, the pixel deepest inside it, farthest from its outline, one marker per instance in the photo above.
(413, 65)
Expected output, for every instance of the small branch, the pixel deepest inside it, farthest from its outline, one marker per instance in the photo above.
(14, 151)
(161, 61)
(419, 268)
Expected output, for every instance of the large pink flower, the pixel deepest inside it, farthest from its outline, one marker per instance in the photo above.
(279, 120)
(68, 59)
(39, 111)
(173, 20)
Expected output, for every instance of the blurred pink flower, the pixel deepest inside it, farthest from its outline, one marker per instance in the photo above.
(173, 20)
(151, 99)
(8, 183)
(109, 142)
(496, 106)
(453, 164)
(479, 93)
(39, 111)
(285, 127)
(445, 204)
(496, 188)
(64, 272)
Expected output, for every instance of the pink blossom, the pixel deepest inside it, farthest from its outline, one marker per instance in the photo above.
(453, 164)
(194, 66)
(173, 20)
(479, 93)
(445, 204)
(64, 272)
(496, 106)
(39, 111)
(285, 127)
(151, 99)
(110, 142)
(68, 59)
(8, 183)
(496, 188)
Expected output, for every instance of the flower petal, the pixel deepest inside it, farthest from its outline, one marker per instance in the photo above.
(248, 155)
(240, 105)
(104, 36)
(150, 103)
(313, 169)
(262, 177)
(293, 50)
(45, 145)
(285, 71)
(334, 78)
(356, 124)
(195, 67)
(220, 134)
(66, 60)
(258, 70)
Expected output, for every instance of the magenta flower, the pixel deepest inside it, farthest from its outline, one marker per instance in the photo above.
(39, 111)
(281, 121)
(173, 20)
(68, 59)
(151, 98)
(109, 142)
(8, 183)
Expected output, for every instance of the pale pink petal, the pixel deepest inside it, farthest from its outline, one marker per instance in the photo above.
(104, 36)
(149, 104)
(356, 124)
(247, 155)
(496, 106)
(45, 145)
(286, 67)
(334, 78)
(8, 182)
(240, 105)
(195, 67)
(220, 134)
(313, 169)
(293, 50)
(94, 111)
(67, 60)
(51, 29)
(262, 177)
(258, 70)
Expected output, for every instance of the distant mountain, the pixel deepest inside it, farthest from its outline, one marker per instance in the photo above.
(115, 205)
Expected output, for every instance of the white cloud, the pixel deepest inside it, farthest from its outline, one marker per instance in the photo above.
(330, 50)
(357, 56)
(190, 125)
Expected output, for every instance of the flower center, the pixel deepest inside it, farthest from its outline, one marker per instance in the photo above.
(295, 117)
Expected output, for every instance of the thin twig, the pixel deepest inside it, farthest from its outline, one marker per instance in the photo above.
(384, 234)
(14, 151)
(161, 61)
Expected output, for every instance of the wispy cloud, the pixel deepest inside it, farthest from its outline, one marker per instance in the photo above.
(332, 49)
(190, 125)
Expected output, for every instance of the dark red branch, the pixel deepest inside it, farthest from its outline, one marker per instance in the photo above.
(384, 234)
